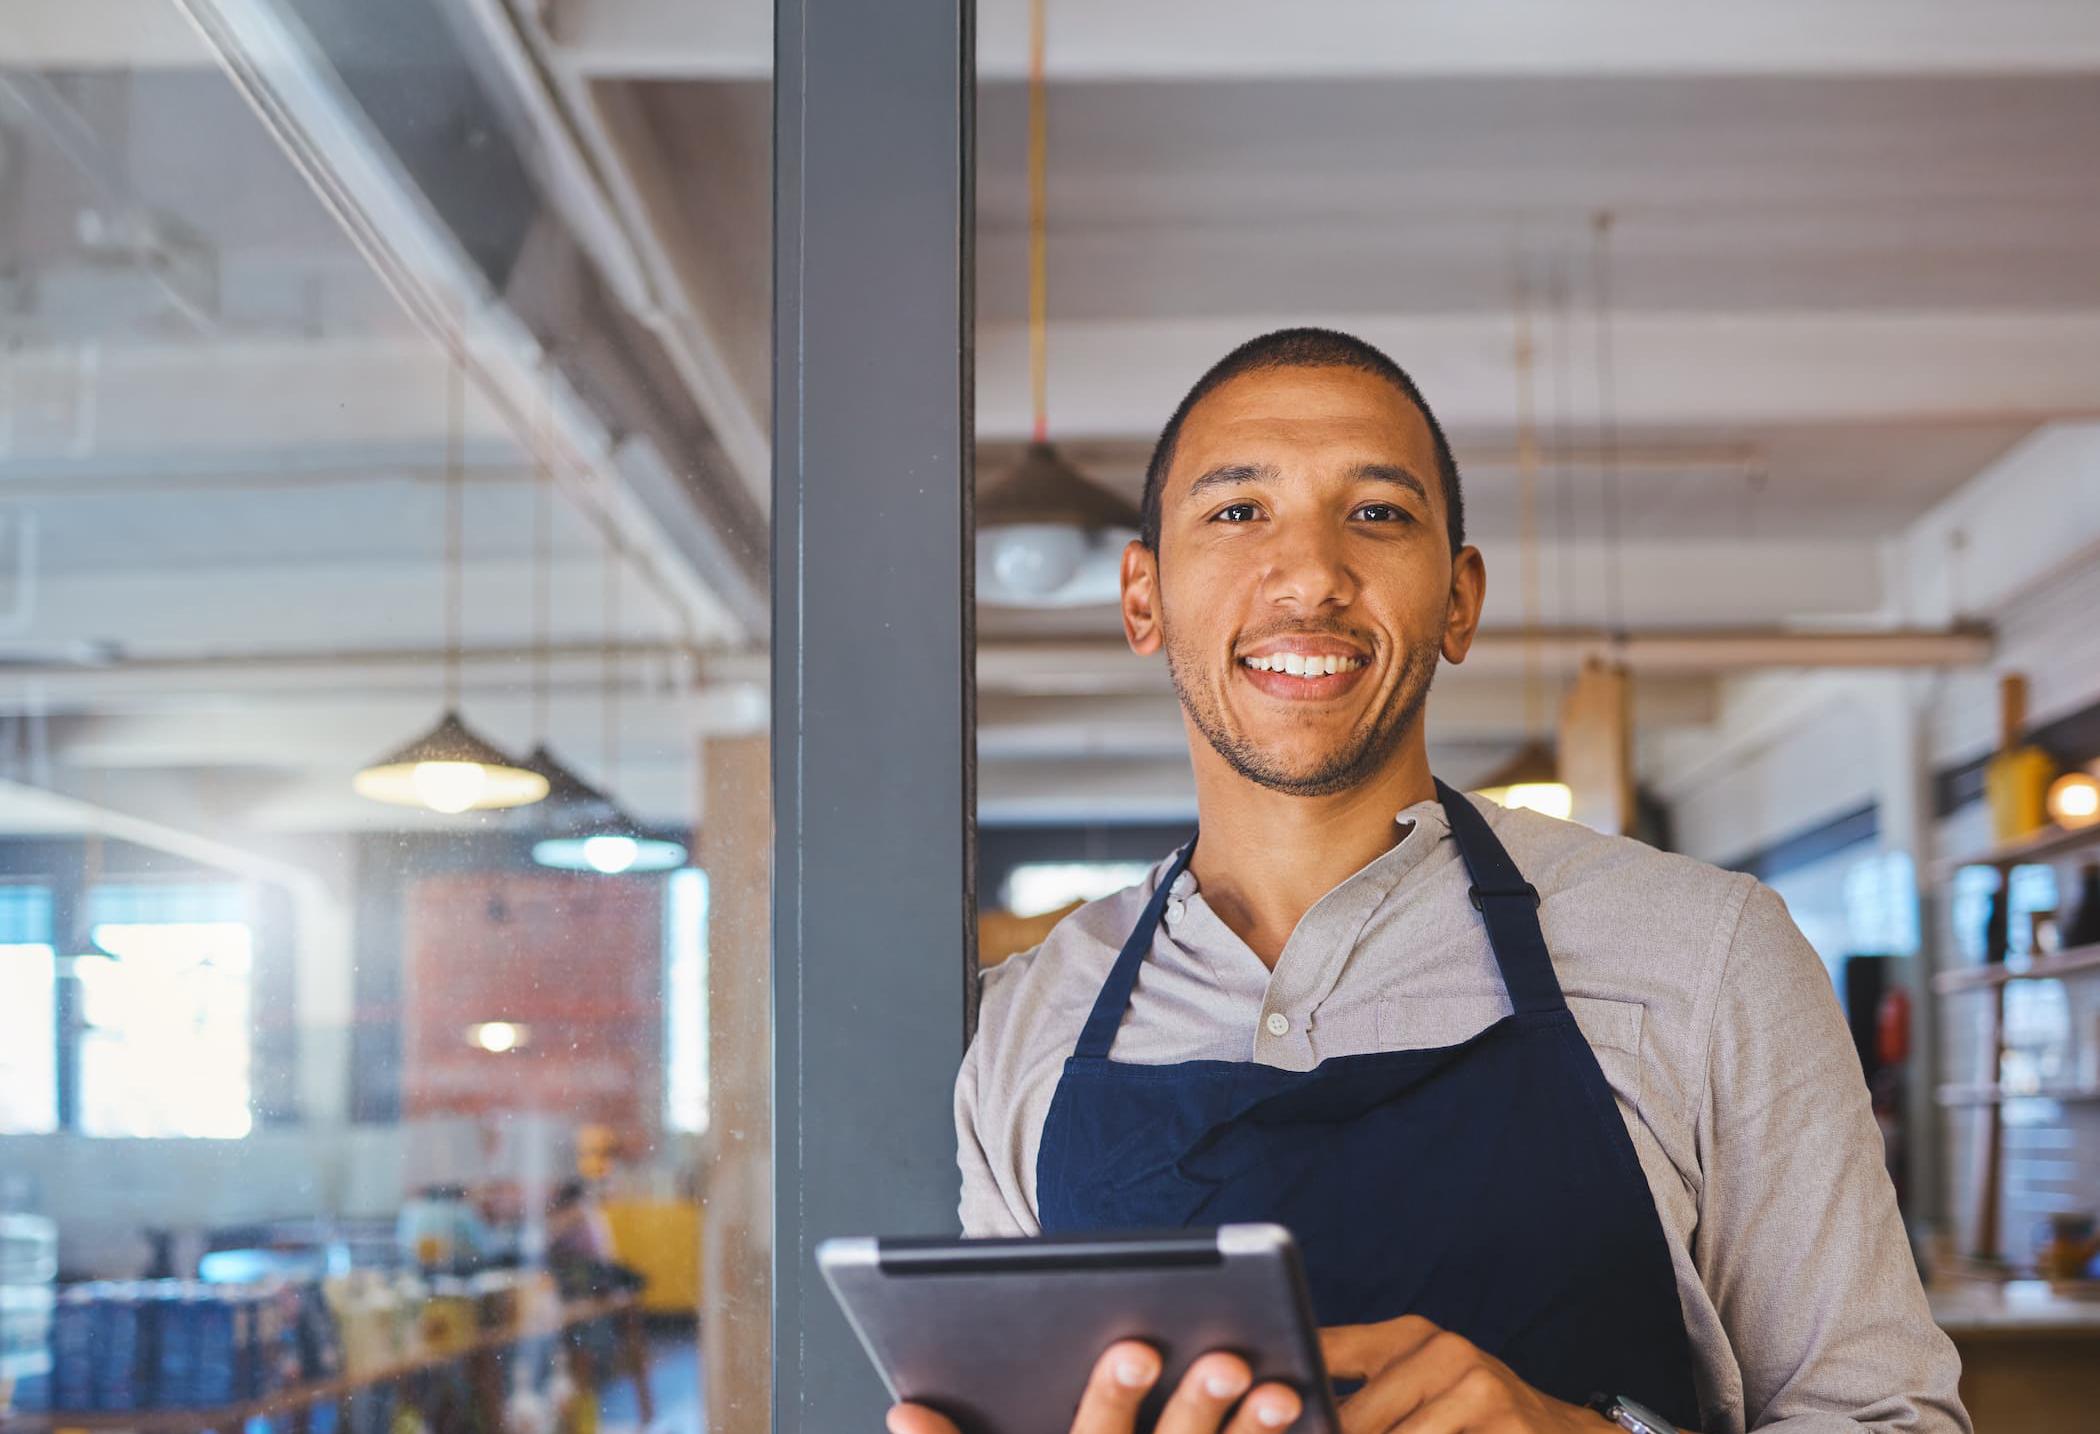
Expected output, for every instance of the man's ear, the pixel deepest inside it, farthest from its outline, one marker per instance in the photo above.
(1141, 599)
(1468, 592)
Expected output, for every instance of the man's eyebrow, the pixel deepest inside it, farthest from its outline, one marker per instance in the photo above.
(1392, 473)
(1232, 474)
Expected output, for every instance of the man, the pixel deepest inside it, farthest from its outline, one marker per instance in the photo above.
(1553, 1115)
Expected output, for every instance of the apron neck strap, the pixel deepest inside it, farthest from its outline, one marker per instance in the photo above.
(1099, 1034)
(1507, 903)
(1508, 906)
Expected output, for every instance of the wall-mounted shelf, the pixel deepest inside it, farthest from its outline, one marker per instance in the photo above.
(2044, 845)
(2078, 960)
(1998, 1094)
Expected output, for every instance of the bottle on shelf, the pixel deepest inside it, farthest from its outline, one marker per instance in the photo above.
(2016, 780)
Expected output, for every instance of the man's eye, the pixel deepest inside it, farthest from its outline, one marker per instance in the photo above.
(1384, 513)
(1237, 513)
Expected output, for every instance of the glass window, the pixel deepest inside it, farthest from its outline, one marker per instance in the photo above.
(166, 997)
(685, 1002)
(382, 576)
(28, 1012)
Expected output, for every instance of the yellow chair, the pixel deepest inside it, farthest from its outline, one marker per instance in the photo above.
(660, 1239)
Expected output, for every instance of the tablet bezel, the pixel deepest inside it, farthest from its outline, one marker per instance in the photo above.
(1058, 1290)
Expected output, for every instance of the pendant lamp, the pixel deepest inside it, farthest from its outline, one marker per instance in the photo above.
(451, 769)
(1047, 535)
(583, 829)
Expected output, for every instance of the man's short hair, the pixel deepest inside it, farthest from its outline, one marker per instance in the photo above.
(1301, 348)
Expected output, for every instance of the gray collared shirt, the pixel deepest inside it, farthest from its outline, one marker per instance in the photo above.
(1711, 1015)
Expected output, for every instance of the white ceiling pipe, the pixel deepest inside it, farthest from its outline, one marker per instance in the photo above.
(1257, 39)
(1107, 666)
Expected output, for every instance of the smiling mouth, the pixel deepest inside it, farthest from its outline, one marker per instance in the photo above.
(1296, 664)
(1288, 676)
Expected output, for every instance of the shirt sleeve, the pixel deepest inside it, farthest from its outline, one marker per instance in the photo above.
(1800, 1243)
(983, 1207)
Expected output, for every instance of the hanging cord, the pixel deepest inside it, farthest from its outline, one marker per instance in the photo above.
(610, 664)
(455, 528)
(1608, 428)
(1527, 502)
(1563, 451)
(542, 565)
(1038, 239)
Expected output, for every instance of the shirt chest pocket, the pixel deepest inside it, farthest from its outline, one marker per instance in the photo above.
(1612, 1028)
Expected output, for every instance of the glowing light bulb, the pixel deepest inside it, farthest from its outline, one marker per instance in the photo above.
(449, 786)
(1030, 560)
(611, 854)
(2074, 800)
(496, 1037)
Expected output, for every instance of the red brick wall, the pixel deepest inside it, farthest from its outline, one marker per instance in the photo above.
(575, 957)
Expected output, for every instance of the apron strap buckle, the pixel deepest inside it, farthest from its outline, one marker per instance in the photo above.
(1475, 895)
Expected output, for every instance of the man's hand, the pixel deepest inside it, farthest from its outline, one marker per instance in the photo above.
(1125, 1375)
(1423, 1380)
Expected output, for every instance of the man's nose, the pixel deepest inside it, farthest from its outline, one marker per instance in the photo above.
(1308, 570)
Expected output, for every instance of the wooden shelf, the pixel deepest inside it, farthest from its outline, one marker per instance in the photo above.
(2078, 960)
(1998, 1095)
(320, 1391)
(2045, 845)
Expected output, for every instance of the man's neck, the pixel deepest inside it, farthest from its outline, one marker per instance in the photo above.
(1266, 857)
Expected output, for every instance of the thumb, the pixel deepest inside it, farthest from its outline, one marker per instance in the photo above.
(917, 1419)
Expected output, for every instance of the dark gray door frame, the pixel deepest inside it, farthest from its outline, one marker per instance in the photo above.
(873, 652)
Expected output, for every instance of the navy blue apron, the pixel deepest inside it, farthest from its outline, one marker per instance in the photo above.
(1489, 1186)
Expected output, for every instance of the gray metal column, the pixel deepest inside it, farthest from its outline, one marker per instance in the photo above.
(873, 740)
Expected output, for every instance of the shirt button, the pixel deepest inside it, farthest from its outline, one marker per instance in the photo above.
(1278, 1024)
(1176, 909)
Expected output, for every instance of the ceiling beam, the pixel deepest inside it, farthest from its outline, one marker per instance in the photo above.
(1257, 39)
(607, 411)
(1118, 378)
(208, 605)
(97, 35)
(614, 187)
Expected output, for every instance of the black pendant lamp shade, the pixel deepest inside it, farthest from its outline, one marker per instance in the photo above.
(1044, 488)
(571, 802)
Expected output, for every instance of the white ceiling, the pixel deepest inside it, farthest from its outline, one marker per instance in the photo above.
(1850, 267)
(1418, 195)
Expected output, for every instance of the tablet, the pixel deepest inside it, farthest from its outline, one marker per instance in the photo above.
(1000, 1335)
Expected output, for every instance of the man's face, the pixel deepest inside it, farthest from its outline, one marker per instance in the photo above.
(1304, 585)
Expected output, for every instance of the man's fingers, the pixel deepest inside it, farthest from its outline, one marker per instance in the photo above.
(916, 1419)
(1270, 1409)
(1409, 1384)
(1358, 1351)
(1122, 1377)
(1205, 1395)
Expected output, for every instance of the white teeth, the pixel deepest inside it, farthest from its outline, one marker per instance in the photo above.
(1299, 664)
